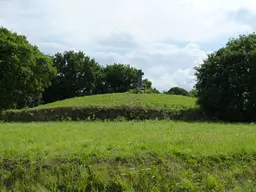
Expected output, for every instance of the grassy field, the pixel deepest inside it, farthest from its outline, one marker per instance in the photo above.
(127, 138)
(128, 156)
(125, 99)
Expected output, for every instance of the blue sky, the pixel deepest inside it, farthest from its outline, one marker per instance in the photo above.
(164, 38)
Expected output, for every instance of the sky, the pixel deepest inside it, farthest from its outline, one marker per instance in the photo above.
(164, 38)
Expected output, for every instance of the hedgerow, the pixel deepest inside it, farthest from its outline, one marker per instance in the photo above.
(102, 113)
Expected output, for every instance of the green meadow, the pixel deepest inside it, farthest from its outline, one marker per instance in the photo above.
(127, 156)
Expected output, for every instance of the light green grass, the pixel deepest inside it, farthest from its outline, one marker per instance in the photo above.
(127, 156)
(126, 138)
(126, 99)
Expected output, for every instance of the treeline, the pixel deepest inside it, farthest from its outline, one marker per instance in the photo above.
(79, 75)
(29, 78)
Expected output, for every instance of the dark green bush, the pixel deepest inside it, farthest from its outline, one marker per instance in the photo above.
(178, 91)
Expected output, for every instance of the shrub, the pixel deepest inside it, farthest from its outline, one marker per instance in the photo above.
(178, 91)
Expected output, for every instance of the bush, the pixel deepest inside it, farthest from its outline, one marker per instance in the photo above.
(178, 91)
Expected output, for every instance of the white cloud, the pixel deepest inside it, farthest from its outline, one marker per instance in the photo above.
(165, 65)
(162, 37)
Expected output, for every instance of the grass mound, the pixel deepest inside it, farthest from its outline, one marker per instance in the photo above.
(111, 106)
(162, 101)
(127, 156)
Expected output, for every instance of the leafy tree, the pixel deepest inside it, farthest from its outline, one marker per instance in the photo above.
(119, 78)
(226, 80)
(146, 84)
(77, 75)
(24, 71)
(178, 91)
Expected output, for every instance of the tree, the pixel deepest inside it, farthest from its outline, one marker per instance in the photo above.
(178, 91)
(24, 71)
(119, 78)
(146, 84)
(226, 80)
(77, 75)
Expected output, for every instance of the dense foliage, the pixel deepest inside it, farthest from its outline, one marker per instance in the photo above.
(227, 78)
(178, 91)
(118, 78)
(24, 71)
(77, 75)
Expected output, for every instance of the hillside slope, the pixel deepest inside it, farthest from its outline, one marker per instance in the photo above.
(125, 99)
(110, 107)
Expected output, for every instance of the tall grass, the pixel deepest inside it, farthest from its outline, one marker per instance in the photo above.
(127, 138)
(128, 156)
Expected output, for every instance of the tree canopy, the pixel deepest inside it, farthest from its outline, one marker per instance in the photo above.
(77, 75)
(119, 78)
(24, 71)
(226, 81)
